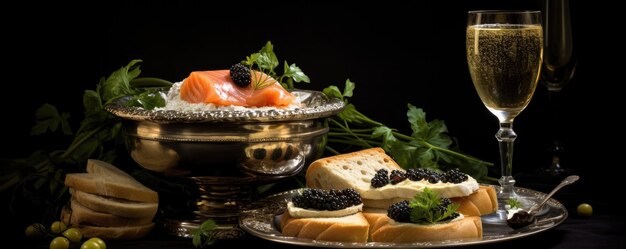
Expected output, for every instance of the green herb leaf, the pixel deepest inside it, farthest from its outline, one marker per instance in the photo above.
(148, 100)
(348, 88)
(48, 118)
(424, 208)
(204, 236)
(333, 92)
(294, 72)
(514, 203)
(118, 83)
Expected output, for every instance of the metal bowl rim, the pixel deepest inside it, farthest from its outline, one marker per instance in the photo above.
(318, 106)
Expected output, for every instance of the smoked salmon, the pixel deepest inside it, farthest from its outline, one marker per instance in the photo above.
(218, 88)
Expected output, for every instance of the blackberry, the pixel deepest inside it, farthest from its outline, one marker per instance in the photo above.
(454, 176)
(327, 199)
(400, 212)
(240, 74)
(397, 176)
(381, 178)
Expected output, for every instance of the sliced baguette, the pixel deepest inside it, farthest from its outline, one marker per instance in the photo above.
(112, 186)
(75, 214)
(120, 207)
(385, 229)
(483, 201)
(351, 228)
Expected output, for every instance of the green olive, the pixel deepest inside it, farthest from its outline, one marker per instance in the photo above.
(584, 210)
(90, 244)
(99, 241)
(73, 234)
(60, 243)
(35, 230)
(58, 227)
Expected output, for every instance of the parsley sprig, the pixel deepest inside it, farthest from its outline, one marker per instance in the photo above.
(428, 146)
(424, 208)
(266, 61)
(40, 177)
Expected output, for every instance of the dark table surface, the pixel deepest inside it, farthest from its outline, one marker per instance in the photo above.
(606, 228)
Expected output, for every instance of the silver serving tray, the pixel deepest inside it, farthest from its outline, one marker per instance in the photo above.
(263, 218)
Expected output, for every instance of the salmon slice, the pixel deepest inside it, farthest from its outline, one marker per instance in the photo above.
(218, 88)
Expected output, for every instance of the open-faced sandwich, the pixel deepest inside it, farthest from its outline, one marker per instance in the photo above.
(427, 217)
(382, 182)
(331, 215)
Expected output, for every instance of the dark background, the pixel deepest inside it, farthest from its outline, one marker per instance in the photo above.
(397, 52)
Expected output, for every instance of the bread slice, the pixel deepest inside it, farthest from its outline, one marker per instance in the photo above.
(384, 229)
(112, 186)
(116, 233)
(106, 232)
(352, 170)
(355, 170)
(351, 228)
(483, 201)
(120, 207)
(74, 213)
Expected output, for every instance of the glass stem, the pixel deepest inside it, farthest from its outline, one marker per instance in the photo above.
(506, 136)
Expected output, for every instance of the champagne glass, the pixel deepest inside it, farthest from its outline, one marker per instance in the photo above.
(504, 55)
(559, 64)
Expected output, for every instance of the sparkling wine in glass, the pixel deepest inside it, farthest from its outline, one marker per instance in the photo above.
(504, 55)
(559, 64)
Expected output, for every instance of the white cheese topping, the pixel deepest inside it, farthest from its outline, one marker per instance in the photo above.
(407, 189)
(313, 213)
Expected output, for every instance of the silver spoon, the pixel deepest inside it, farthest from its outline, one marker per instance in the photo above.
(524, 218)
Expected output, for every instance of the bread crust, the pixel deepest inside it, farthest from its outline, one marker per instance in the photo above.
(313, 181)
(351, 228)
(109, 186)
(118, 207)
(385, 229)
(75, 214)
(483, 201)
(116, 233)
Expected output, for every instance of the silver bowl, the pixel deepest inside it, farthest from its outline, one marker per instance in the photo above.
(226, 153)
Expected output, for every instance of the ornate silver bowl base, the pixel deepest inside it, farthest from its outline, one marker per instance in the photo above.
(222, 156)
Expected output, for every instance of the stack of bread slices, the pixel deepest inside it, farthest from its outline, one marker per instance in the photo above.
(109, 203)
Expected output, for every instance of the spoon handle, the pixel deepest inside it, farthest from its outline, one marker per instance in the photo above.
(569, 180)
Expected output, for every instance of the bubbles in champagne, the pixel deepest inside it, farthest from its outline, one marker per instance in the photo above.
(504, 62)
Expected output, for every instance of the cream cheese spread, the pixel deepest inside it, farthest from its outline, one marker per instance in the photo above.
(407, 189)
(312, 213)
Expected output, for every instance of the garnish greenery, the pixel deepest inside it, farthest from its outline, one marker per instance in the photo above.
(514, 203)
(266, 61)
(204, 235)
(424, 208)
(40, 177)
(428, 146)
